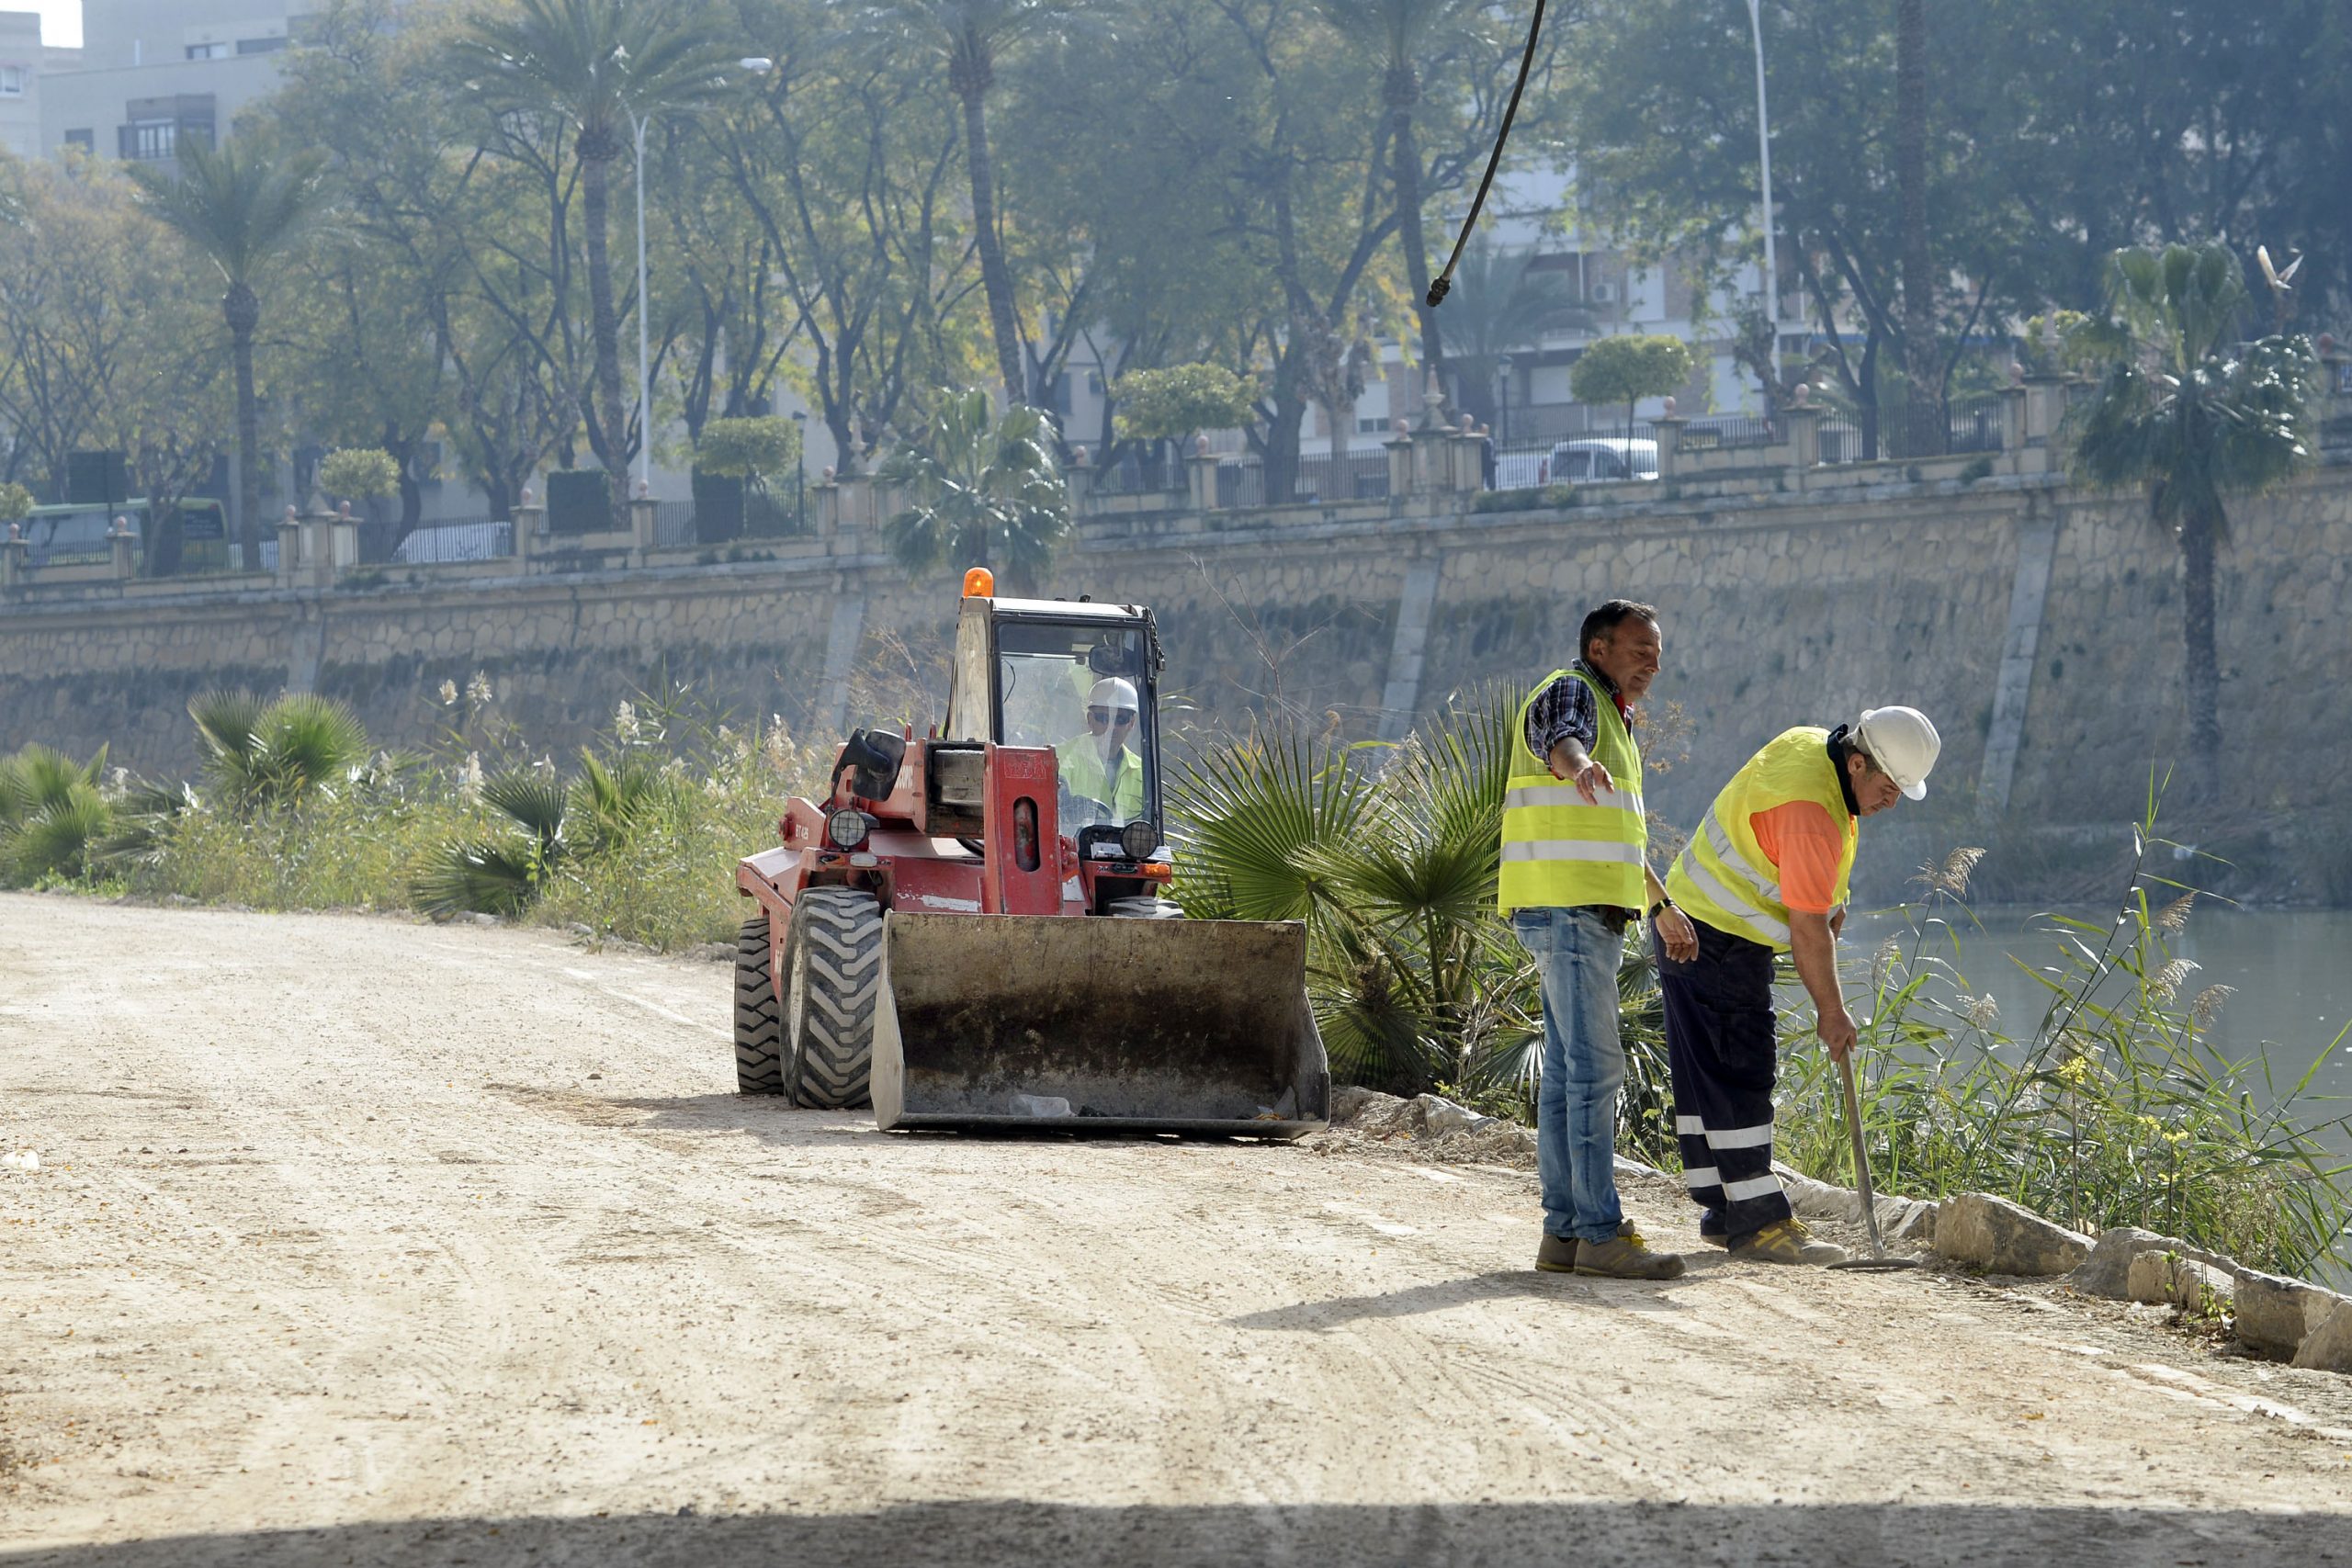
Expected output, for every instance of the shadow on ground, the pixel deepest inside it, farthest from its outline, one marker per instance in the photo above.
(967, 1535)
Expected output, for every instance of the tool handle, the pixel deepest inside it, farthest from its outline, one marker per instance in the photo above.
(1861, 1159)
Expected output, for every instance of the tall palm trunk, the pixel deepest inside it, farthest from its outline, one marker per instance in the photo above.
(971, 73)
(242, 312)
(597, 153)
(1403, 91)
(1920, 361)
(2200, 529)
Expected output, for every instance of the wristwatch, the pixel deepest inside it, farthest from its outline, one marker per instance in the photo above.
(1651, 913)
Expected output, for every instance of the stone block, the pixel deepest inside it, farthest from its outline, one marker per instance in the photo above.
(2002, 1237)
(2328, 1348)
(2106, 1272)
(2276, 1314)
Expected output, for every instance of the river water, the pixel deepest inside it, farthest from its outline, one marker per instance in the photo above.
(2292, 971)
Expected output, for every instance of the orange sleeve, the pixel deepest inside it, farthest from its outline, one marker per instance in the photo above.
(1802, 842)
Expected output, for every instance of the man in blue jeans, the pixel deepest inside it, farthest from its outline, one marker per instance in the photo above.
(1575, 874)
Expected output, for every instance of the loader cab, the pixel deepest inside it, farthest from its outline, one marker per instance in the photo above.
(1055, 673)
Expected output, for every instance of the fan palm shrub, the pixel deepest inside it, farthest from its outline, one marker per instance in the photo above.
(265, 755)
(53, 814)
(980, 491)
(2191, 416)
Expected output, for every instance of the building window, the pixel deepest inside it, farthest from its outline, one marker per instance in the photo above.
(259, 45)
(12, 81)
(148, 140)
(87, 140)
(208, 51)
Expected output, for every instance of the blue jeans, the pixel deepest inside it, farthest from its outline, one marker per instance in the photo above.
(1583, 1067)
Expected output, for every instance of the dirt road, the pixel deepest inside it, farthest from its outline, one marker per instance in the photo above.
(358, 1241)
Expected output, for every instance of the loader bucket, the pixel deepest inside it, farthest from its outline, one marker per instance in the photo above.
(1096, 1024)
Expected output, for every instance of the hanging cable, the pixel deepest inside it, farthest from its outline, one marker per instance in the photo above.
(1444, 282)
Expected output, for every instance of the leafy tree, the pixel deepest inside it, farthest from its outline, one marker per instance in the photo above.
(2190, 416)
(242, 210)
(1178, 402)
(969, 37)
(1629, 368)
(979, 491)
(600, 65)
(363, 471)
(748, 448)
(16, 503)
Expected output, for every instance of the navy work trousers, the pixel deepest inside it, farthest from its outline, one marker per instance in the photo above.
(1721, 1047)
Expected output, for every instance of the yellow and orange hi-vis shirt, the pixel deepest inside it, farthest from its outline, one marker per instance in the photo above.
(1804, 844)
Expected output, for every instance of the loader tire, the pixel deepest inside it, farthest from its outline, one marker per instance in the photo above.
(832, 958)
(759, 1038)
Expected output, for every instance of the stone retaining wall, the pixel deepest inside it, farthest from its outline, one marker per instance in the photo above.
(1779, 608)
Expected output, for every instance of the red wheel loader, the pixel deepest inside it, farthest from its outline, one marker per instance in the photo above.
(970, 929)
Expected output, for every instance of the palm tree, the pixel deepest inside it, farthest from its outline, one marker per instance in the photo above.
(980, 492)
(52, 814)
(601, 64)
(1401, 25)
(265, 755)
(241, 208)
(2193, 416)
(969, 37)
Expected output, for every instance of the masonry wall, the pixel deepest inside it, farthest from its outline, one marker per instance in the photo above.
(1778, 609)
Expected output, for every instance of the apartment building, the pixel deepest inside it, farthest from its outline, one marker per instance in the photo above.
(153, 73)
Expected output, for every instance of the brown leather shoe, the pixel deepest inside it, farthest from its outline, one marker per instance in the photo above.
(1626, 1258)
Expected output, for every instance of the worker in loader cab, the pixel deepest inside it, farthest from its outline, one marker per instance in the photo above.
(1099, 764)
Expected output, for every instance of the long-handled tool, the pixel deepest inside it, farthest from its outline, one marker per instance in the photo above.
(1879, 1262)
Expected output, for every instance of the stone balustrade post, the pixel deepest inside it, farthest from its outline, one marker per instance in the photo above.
(529, 517)
(1400, 462)
(644, 514)
(1078, 477)
(1468, 465)
(855, 500)
(828, 493)
(1667, 429)
(289, 548)
(343, 545)
(16, 558)
(121, 546)
(1802, 422)
(2013, 427)
(2045, 406)
(1200, 476)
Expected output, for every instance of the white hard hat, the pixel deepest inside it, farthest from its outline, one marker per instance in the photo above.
(1904, 744)
(1113, 692)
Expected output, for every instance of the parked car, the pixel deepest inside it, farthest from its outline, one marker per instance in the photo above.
(1600, 458)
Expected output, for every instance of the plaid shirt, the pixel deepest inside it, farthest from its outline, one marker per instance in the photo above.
(1564, 710)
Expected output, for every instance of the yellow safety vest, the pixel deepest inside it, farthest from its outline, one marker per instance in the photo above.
(1722, 875)
(1083, 773)
(1558, 852)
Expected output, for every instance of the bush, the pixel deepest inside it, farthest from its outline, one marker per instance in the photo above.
(1173, 404)
(362, 471)
(53, 814)
(1535, 498)
(580, 501)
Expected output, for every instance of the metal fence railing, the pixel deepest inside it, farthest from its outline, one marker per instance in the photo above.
(440, 542)
(673, 524)
(1975, 428)
(1718, 432)
(1154, 471)
(1357, 475)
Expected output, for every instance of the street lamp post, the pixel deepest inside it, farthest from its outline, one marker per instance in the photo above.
(1503, 364)
(1764, 156)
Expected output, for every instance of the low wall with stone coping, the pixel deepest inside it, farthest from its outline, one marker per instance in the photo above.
(2039, 625)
